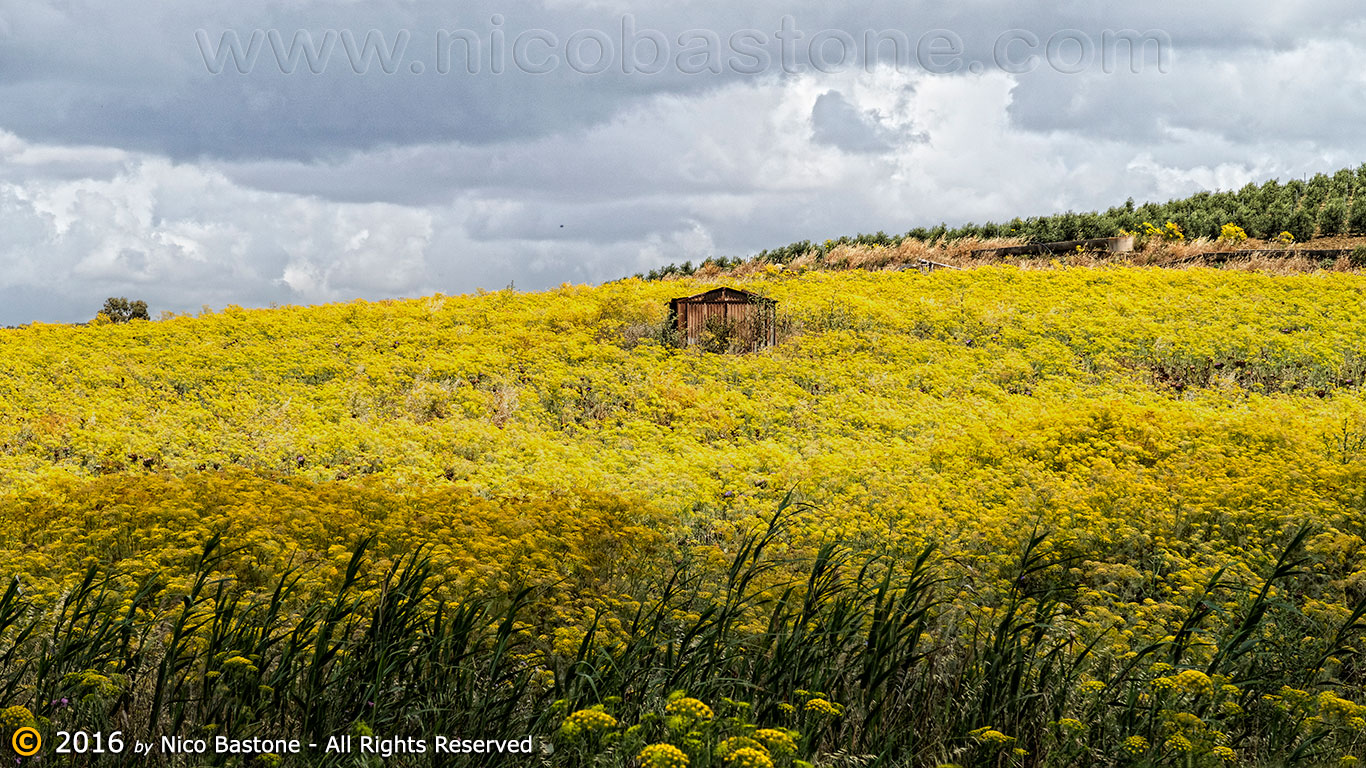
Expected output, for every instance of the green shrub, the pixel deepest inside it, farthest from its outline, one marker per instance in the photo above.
(1333, 217)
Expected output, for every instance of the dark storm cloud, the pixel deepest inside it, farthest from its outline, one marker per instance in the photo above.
(137, 77)
(837, 123)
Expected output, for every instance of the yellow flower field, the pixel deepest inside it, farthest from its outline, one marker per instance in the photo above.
(1124, 408)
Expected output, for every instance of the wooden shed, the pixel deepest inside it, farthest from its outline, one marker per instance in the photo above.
(725, 319)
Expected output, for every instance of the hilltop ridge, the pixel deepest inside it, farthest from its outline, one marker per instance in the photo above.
(1328, 209)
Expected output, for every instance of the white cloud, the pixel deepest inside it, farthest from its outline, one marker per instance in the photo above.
(180, 235)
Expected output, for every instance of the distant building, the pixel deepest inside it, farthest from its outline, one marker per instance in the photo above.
(725, 320)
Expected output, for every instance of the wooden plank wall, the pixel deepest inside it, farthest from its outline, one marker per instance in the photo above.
(755, 322)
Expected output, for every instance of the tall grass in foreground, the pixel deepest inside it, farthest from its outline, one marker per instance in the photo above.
(858, 662)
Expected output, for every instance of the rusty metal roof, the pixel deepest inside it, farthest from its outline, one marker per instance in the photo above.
(723, 295)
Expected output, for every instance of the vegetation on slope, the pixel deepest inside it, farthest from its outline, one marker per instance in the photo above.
(1295, 211)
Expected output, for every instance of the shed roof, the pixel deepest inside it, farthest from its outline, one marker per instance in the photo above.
(723, 295)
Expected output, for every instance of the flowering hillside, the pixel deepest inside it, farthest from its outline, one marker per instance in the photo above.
(989, 517)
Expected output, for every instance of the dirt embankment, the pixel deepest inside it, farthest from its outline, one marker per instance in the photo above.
(1277, 258)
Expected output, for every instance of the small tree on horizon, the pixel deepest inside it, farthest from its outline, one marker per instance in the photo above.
(121, 310)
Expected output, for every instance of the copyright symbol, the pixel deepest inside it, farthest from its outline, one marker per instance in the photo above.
(26, 742)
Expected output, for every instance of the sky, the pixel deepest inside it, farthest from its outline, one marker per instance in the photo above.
(196, 154)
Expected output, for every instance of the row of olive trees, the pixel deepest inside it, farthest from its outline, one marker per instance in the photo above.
(1322, 206)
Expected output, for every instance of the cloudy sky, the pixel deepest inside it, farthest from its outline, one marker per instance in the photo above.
(251, 152)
